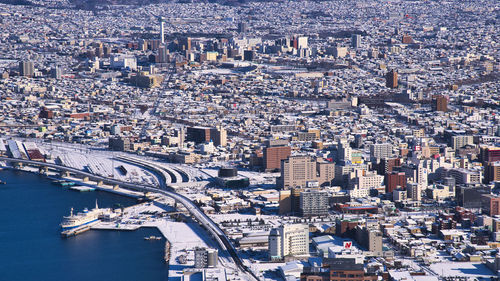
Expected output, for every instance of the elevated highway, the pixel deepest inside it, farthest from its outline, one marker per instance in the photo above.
(217, 234)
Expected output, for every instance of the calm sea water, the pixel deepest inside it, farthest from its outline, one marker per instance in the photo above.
(31, 248)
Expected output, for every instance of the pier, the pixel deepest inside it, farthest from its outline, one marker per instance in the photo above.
(77, 230)
(167, 252)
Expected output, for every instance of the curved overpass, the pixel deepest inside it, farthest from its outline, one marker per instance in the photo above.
(198, 214)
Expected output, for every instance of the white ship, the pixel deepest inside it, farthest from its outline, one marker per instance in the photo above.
(82, 218)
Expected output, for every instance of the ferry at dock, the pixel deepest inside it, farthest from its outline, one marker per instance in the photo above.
(82, 218)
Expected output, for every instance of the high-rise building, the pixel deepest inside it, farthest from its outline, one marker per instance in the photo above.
(341, 269)
(26, 68)
(490, 154)
(185, 44)
(162, 30)
(198, 134)
(460, 141)
(218, 136)
(305, 171)
(248, 55)
(285, 202)
(380, 150)
(339, 52)
(242, 27)
(119, 144)
(492, 172)
(386, 165)
(343, 151)
(56, 72)
(490, 204)
(391, 79)
(414, 191)
(181, 135)
(313, 203)
(369, 238)
(394, 180)
(162, 54)
(440, 103)
(302, 42)
(356, 41)
(289, 240)
(465, 176)
(274, 152)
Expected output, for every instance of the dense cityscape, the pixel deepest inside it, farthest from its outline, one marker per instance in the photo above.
(280, 140)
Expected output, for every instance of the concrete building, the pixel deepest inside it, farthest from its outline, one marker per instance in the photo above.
(274, 154)
(465, 176)
(26, 68)
(414, 192)
(369, 238)
(394, 180)
(391, 79)
(205, 258)
(356, 41)
(219, 136)
(162, 30)
(313, 203)
(121, 61)
(461, 141)
(305, 171)
(198, 134)
(289, 240)
(490, 204)
(440, 103)
(381, 150)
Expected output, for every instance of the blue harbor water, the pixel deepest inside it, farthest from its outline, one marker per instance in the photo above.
(31, 248)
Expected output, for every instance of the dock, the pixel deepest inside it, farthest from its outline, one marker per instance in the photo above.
(77, 230)
(167, 252)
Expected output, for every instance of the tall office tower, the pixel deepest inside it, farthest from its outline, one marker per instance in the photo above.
(313, 203)
(380, 150)
(162, 30)
(304, 171)
(26, 68)
(297, 171)
(289, 240)
(181, 135)
(162, 54)
(185, 44)
(391, 79)
(274, 152)
(302, 42)
(56, 72)
(343, 151)
(440, 103)
(356, 41)
(242, 27)
(218, 136)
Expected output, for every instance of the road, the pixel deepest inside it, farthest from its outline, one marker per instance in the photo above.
(207, 223)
